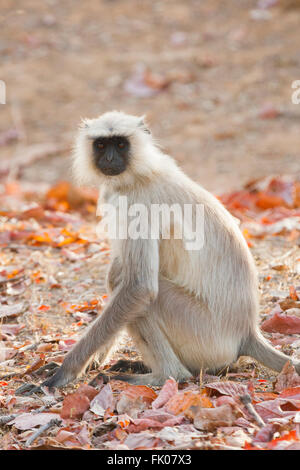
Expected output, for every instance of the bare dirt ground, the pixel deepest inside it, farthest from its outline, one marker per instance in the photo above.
(214, 79)
(221, 70)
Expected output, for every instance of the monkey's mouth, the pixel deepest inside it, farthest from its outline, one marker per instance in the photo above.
(111, 171)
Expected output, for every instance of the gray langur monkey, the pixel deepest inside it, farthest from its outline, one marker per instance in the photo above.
(185, 310)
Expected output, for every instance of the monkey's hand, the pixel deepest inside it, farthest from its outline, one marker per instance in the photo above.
(61, 377)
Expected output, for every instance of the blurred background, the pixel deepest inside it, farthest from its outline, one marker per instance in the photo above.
(214, 79)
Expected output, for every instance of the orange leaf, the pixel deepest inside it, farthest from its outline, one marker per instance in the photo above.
(146, 393)
(293, 293)
(44, 307)
(290, 436)
(181, 402)
(36, 365)
(74, 406)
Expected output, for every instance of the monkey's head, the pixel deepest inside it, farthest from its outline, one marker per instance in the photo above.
(115, 148)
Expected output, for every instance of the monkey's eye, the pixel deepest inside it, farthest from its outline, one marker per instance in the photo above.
(100, 145)
(121, 145)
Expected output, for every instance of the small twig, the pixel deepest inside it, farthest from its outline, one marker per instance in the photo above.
(246, 400)
(48, 405)
(6, 418)
(34, 436)
(10, 375)
(28, 347)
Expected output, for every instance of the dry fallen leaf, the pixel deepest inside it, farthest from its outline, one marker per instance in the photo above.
(182, 401)
(287, 378)
(102, 401)
(208, 419)
(282, 323)
(169, 389)
(29, 420)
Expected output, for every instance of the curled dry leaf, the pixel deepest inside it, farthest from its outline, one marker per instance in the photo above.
(102, 401)
(208, 419)
(228, 388)
(39, 362)
(272, 409)
(12, 310)
(169, 389)
(11, 329)
(287, 378)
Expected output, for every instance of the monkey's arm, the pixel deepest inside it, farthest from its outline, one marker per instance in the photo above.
(130, 299)
(114, 274)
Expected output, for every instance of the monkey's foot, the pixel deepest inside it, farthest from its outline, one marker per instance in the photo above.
(28, 389)
(48, 369)
(124, 365)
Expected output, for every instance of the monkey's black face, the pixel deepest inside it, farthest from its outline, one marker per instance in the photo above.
(111, 154)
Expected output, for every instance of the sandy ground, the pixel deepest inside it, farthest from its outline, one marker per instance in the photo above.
(225, 69)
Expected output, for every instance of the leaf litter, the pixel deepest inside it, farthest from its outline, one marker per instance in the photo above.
(52, 286)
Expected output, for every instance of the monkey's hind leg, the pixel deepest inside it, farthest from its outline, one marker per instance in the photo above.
(156, 352)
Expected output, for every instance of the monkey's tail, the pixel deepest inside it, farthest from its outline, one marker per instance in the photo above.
(258, 347)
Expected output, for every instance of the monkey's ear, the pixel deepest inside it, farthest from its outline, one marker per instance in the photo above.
(84, 124)
(144, 125)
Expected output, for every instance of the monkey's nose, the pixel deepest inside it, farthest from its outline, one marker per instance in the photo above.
(109, 156)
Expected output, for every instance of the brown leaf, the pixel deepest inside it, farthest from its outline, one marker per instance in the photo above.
(39, 362)
(11, 329)
(287, 304)
(28, 420)
(142, 440)
(208, 419)
(154, 419)
(169, 389)
(75, 405)
(131, 406)
(12, 310)
(273, 409)
(182, 401)
(146, 393)
(293, 392)
(102, 401)
(228, 388)
(88, 391)
(287, 378)
(282, 323)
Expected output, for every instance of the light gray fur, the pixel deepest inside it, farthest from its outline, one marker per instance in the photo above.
(186, 310)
